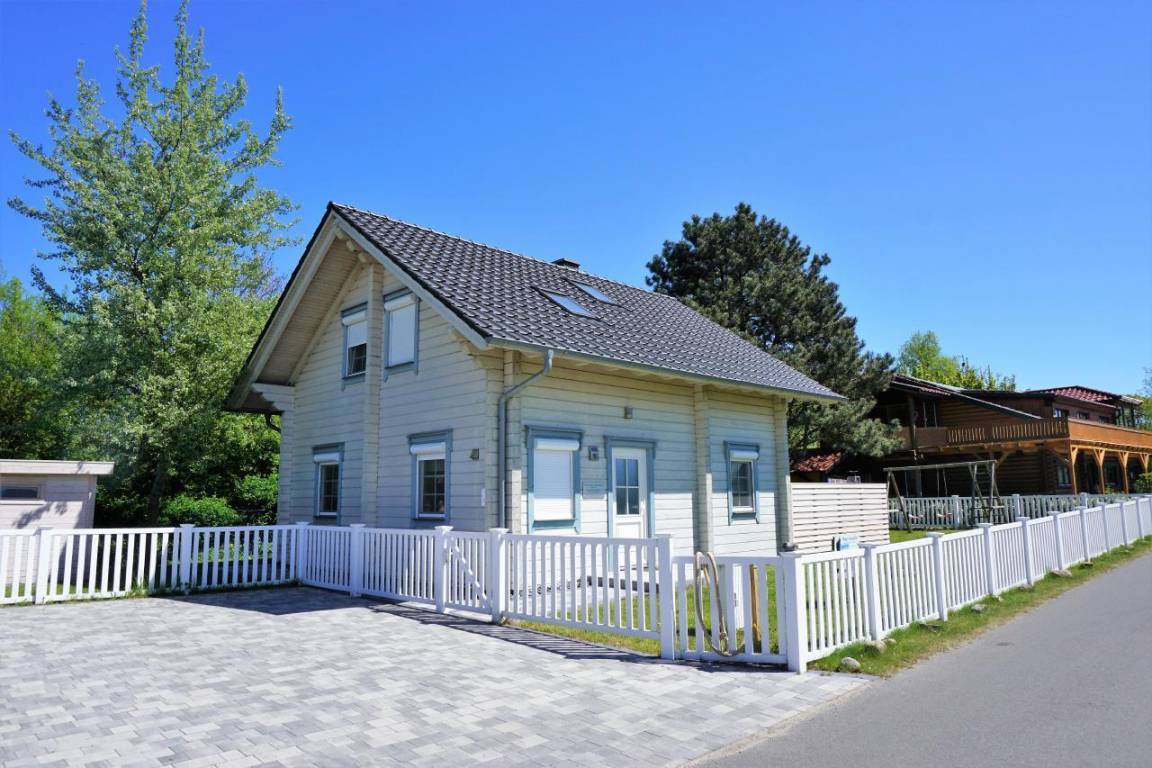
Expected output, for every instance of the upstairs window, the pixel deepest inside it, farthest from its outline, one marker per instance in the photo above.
(1083, 415)
(1059, 413)
(742, 496)
(569, 303)
(400, 312)
(355, 322)
(430, 475)
(593, 291)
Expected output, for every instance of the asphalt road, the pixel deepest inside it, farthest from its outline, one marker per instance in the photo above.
(1068, 684)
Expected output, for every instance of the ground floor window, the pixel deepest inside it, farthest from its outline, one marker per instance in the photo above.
(328, 460)
(1063, 476)
(742, 498)
(553, 477)
(430, 452)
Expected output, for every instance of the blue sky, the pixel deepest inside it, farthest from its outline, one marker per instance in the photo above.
(980, 169)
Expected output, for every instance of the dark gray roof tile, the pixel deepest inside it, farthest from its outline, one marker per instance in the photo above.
(494, 291)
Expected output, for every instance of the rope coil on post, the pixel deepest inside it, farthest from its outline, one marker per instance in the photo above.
(706, 571)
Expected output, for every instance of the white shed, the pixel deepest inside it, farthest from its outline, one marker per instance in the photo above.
(54, 494)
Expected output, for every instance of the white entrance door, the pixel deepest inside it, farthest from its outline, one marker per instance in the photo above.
(629, 498)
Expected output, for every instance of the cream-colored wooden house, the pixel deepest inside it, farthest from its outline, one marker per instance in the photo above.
(423, 379)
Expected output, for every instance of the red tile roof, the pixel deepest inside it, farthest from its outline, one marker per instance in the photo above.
(817, 462)
(1080, 393)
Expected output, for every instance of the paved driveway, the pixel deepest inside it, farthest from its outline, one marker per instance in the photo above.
(306, 677)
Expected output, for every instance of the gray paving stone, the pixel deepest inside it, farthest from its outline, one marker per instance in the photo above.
(302, 677)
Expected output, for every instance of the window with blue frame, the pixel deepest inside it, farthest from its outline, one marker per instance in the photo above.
(743, 500)
(553, 478)
(430, 475)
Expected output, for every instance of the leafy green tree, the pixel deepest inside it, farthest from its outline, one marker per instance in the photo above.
(162, 231)
(30, 367)
(752, 275)
(921, 356)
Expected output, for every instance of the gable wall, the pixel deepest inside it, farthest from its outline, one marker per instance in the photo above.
(448, 390)
(327, 409)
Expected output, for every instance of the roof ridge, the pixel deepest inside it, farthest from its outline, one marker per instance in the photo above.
(501, 250)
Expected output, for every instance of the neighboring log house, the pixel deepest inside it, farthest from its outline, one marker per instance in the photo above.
(1060, 440)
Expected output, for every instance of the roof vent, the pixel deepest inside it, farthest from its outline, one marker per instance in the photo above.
(567, 263)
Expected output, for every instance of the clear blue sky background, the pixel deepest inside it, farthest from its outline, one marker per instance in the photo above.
(982, 169)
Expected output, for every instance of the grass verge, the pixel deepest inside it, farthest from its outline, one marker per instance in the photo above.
(919, 641)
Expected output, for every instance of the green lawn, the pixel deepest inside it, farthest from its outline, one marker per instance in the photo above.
(896, 536)
(920, 641)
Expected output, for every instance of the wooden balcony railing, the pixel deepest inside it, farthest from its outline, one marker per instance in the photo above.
(930, 438)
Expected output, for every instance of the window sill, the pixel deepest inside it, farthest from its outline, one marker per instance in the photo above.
(326, 516)
(431, 518)
(356, 376)
(401, 368)
(742, 514)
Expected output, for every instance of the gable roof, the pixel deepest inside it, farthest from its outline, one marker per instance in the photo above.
(936, 389)
(500, 296)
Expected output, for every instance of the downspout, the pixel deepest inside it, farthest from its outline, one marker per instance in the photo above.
(502, 432)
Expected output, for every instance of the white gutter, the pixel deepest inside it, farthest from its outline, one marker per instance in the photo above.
(502, 432)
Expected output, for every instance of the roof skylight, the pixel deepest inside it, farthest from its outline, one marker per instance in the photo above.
(593, 291)
(568, 303)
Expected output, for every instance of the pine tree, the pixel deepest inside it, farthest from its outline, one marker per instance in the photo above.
(752, 275)
(162, 232)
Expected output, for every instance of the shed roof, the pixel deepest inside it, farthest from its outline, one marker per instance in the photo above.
(50, 467)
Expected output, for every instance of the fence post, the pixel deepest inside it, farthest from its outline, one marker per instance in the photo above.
(43, 563)
(1107, 536)
(989, 561)
(356, 560)
(1058, 532)
(1017, 506)
(1084, 533)
(872, 587)
(497, 574)
(666, 594)
(440, 567)
(302, 536)
(1139, 518)
(1084, 499)
(187, 535)
(956, 519)
(1026, 535)
(1124, 524)
(795, 611)
(938, 570)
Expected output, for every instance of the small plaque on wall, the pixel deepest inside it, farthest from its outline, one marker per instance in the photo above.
(592, 488)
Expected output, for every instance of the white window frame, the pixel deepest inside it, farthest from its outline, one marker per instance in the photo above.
(1063, 475)
(394, 303)
(328, 456)
(743, 453)
(355, 324)
(425, 447)
(554, 440)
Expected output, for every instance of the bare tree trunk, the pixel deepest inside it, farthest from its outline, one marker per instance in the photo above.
(156, 492)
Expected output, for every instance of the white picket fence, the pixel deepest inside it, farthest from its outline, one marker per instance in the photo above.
(868, 593)
(54, 565)
(934, 512)
(785, 609)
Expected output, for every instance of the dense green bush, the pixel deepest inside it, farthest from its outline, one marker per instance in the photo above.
(257, 492)
(207, 511)
(1143, 483)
